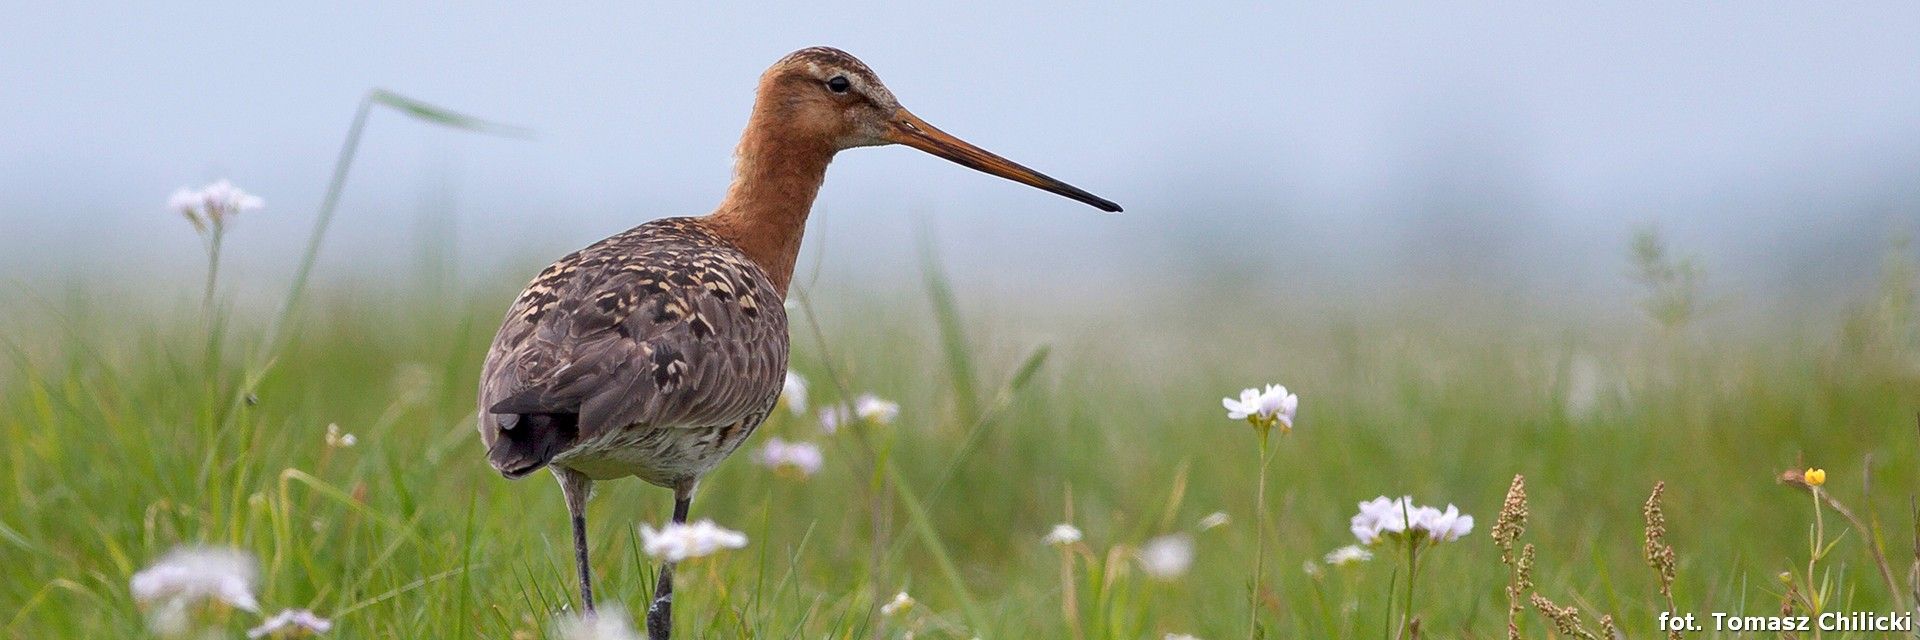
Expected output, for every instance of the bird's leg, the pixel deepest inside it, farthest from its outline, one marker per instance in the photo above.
(576, 487)
(660, 613)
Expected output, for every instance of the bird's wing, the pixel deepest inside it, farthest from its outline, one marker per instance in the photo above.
(668, 328)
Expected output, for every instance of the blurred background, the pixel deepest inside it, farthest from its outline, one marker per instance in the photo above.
(1294, 151)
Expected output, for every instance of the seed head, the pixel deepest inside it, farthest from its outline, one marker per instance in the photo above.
(1565, 619)
(1523, 578)
(1659, 554)
(1512, 520)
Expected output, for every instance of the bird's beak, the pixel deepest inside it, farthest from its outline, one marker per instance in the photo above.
(908, 129)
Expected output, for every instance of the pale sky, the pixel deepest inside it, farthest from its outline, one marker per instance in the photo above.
(1328, 141)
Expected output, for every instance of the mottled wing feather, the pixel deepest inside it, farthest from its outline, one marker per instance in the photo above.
(663, 326)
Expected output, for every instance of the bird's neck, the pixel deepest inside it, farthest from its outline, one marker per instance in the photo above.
(775, 178)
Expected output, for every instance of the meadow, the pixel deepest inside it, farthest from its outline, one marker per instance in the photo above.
(132, 432)
(333, 443)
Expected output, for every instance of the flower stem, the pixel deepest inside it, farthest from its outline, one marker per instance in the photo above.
(1413, 570)
(210, 317)
(213, 270)
(1814, 594)
(1259, 538)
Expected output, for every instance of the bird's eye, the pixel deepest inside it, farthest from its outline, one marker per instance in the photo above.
(838, 84)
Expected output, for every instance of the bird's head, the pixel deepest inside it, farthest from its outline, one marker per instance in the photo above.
(829, 96)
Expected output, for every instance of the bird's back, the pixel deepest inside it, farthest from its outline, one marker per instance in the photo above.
(652, 353)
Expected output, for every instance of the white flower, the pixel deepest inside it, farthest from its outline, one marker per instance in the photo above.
(191, 574)
(1180, 636)
(1167, 557)
(610, 623)
(676, 542)
(801, 458)
(901, 602)
(832, 417)
(794, 393)
(1348, 555)
(185, 201)
(338, 439)
(1399, 519)
(1313, 569)
(213, 204)
(1449, 525)
(291, 622)
(1214, 520)
(1062, 534)
(1273, 403)
(1247, 405)
(875, 409)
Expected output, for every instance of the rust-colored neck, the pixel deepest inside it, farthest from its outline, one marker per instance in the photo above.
(777, 171)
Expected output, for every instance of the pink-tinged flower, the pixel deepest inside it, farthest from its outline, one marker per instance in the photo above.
(195, 574)
(609, 623)
(876, 409)
(900, 604)
(1400, 520)
(1264, 407)
(1167, 557)
(831, 417)
(676, 542)
(1062, 534)
(793, 392)
(172, 588)
(213, 204)
(1348, 555)
(291, 623)
(800, 458)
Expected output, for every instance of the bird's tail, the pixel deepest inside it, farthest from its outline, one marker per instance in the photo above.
(524, 443)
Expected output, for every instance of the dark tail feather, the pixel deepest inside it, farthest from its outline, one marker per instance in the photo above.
(532, 442)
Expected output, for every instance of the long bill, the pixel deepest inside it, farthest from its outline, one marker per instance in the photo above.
(910, 130)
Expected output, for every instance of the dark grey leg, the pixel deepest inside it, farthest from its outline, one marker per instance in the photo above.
(660, 613)
(576, 487)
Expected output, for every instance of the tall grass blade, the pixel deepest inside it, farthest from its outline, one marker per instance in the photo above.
(330, 203)
(953, 338)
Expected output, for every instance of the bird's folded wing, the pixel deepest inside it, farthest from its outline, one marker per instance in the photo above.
(663, 340)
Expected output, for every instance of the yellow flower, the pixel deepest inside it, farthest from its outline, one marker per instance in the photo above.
(1816, 477)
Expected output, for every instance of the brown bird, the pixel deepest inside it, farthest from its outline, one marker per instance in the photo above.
(655, 353)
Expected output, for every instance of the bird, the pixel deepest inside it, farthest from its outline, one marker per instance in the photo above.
(656, 352)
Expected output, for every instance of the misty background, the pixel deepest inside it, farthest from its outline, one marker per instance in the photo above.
(1328, 150)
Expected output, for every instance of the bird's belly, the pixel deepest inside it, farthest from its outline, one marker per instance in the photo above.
(664, 456)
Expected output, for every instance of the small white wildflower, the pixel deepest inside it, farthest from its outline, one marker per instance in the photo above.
(876, 409)
(339, 439)
(1264, 407)
(609, 623)
(1399, 519)
(1180, 636)
(291, 623)
(192, 574)
(213, 204)
(794, 393)
(800, 458)
(1062, 534)
(901, 602)
(676, 542)
(1313, 569)
(1214, 520)
(832, 417)
(1449, 525)
(1348, 555)
(1167, 557)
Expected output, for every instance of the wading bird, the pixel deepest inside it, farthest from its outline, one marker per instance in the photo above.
(656, 352)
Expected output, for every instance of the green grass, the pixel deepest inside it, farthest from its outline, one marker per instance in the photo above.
(123, 439)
